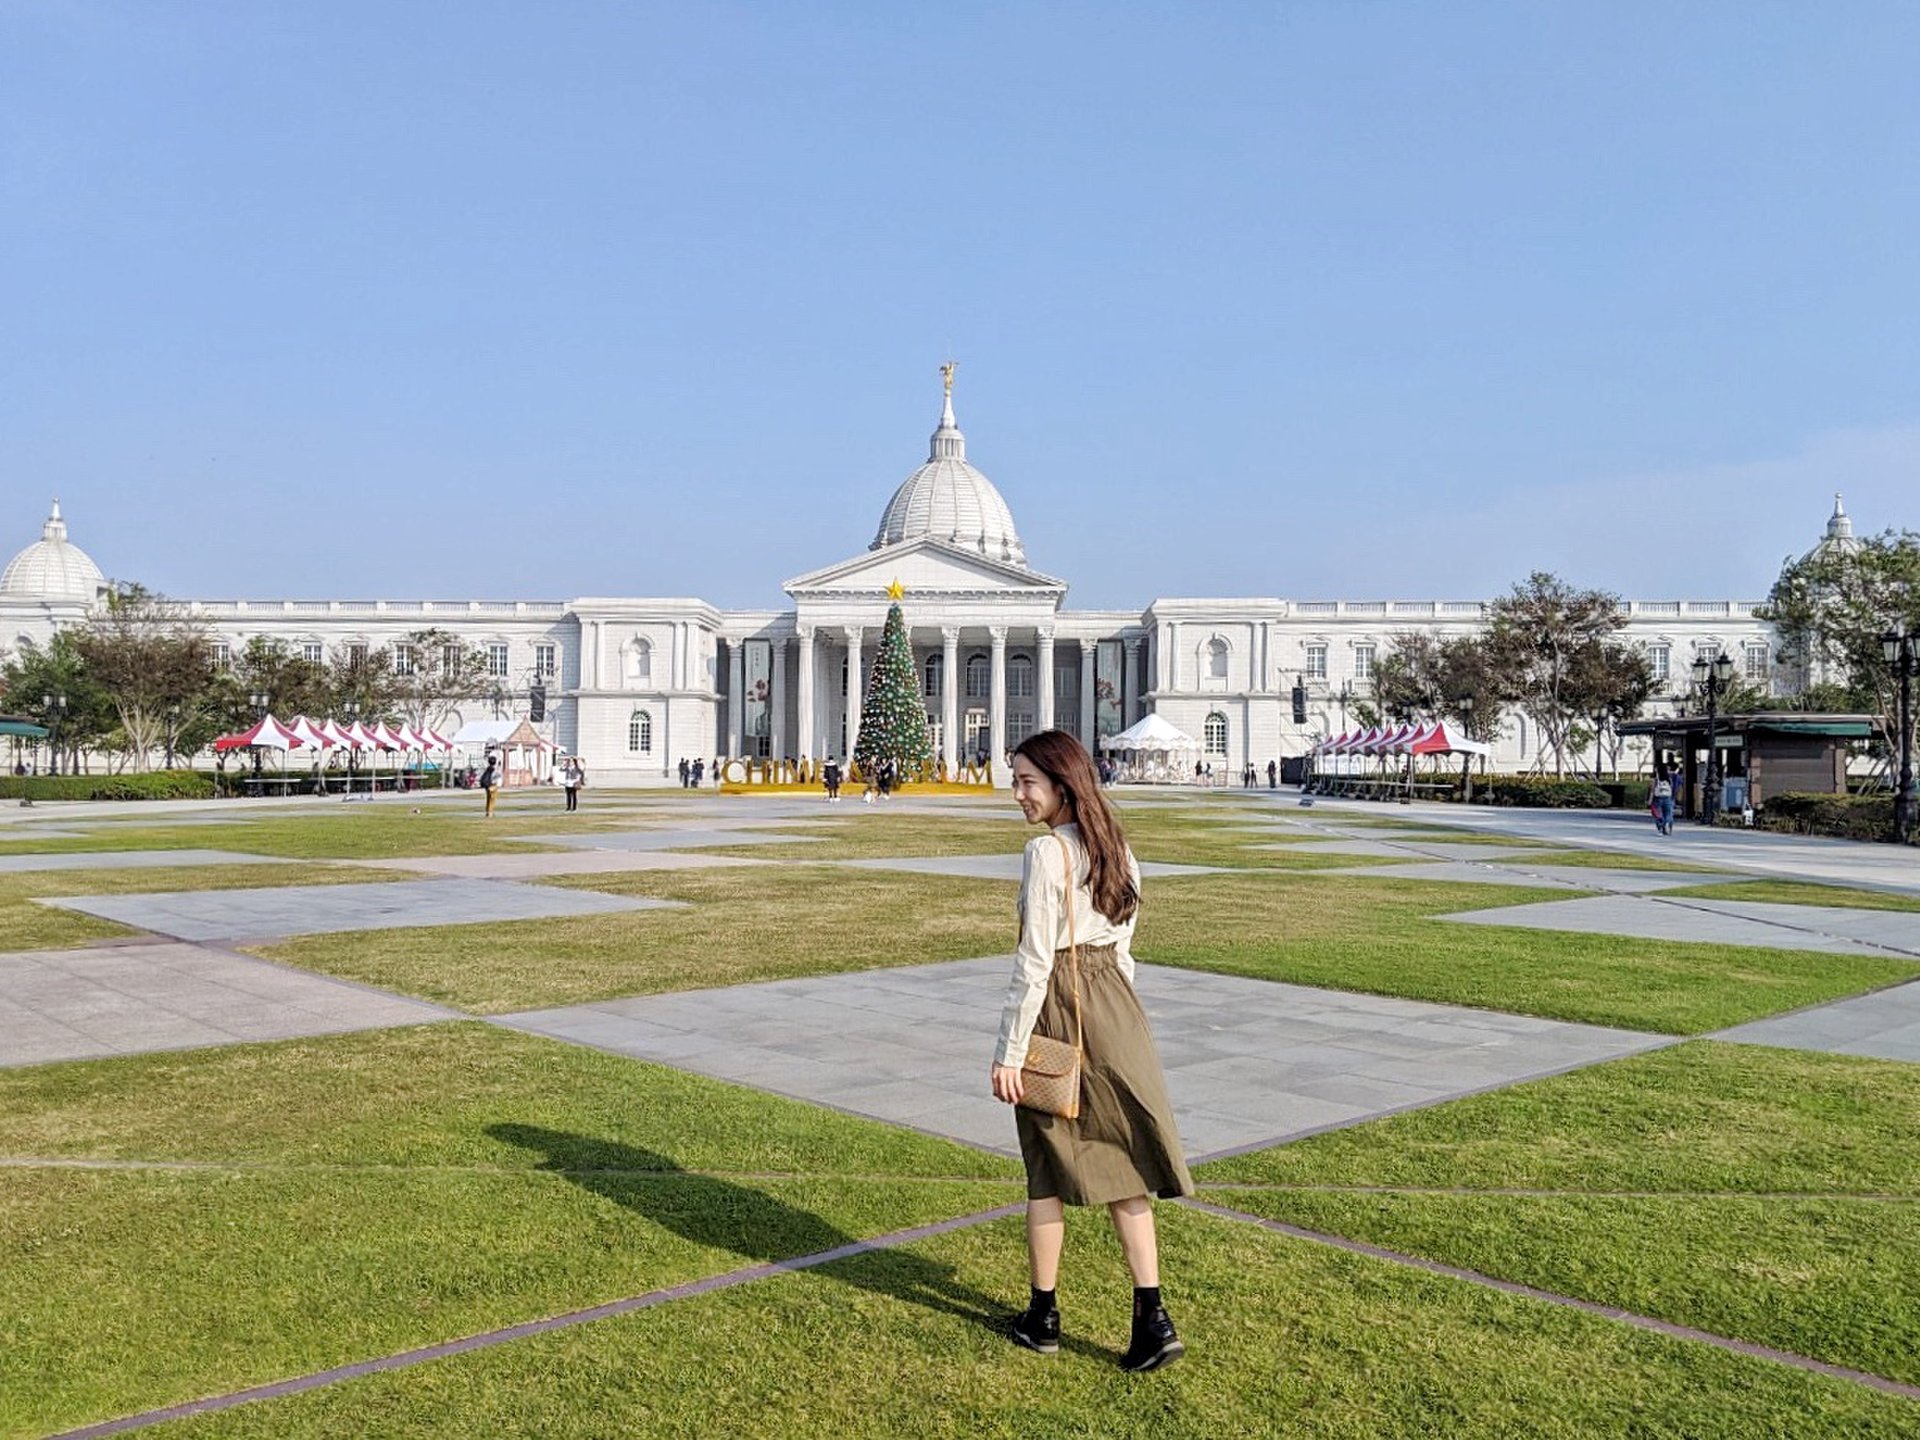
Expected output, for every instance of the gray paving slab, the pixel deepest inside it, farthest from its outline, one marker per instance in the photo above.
(1248, 1061)
(132, 860)
(1651, 918)
(1885, 1025)
(1576, 877)
(319, 909)
(1001, 867)
(27, 834)
(1890, 929)
(1409, 850)
(663, 839)
(122, 1000)
(568, 862)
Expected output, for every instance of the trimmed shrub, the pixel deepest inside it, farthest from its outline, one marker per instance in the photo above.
(150, 785)
(1541, 792)
(1846, 817)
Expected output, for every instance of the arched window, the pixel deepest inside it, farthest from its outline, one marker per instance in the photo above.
(979, 677)
(640, 733)
(639, 665)
(1020, 678)
(1216, 734)
(934, 664)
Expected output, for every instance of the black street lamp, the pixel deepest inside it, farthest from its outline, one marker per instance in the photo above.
(260, 700)
(1902, 652)
(351, 709)
(1465, 706)
(52, 707)
(1712, 679)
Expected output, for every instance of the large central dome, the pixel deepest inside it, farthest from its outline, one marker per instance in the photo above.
(949, 500)
(53, 567)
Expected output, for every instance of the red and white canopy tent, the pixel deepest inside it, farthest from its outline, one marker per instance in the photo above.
(266, 734)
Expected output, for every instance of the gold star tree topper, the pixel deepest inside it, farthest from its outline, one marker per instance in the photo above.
(896, 589)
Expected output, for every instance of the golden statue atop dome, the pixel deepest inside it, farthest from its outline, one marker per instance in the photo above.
(946, 376)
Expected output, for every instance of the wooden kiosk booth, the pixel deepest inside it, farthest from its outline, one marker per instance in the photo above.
(1769, 752)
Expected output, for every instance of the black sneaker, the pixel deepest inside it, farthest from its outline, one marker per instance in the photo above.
(1038, 1332)
(1154, 1343)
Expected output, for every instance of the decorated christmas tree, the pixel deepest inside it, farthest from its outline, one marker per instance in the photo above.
(893, 724)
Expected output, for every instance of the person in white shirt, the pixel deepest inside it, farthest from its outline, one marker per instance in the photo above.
(1073, 979)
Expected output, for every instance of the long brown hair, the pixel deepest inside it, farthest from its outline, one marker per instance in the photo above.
(1061, 757)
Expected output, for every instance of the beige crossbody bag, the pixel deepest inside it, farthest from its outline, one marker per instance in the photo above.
(1050, 1078)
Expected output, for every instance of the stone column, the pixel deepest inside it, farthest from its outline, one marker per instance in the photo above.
(1044, 690)
(777, 701)
(952, 741)
(854, 634)
(736, 707)
(1130, 680)
(1089, 678)
(1174, 666)
(997, 715)
(807, 718)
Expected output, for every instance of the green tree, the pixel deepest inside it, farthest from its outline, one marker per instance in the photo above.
(36, 672)
(434, 675)
(1540, 634)
(1431, 675)
(1830, 609)
(150, 658)
(893, 720)
(293, 684)
(1606, 682)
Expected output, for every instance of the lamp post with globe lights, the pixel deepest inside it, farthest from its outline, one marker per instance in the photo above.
(1902, 652)
(1712, 679)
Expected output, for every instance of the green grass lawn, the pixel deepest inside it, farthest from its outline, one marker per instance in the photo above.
(1800, 892)
(763, 923)
(27, 925)
(360, 1194)
(389, 829)
(1286, 1339)
(1771, 1195)
(1609, 860)
(1376, 934)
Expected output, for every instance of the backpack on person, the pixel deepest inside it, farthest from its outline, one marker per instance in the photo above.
(1662, 790)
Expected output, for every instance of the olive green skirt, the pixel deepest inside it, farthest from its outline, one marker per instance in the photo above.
(1124, 1143)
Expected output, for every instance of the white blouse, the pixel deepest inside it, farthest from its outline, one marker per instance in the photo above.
(1043, 930)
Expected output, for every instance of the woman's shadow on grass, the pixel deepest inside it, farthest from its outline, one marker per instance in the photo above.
(721, 1215)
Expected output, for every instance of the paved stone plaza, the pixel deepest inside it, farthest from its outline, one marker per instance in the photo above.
(1248, 1062)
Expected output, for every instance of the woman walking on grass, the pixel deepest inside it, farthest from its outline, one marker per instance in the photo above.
(1079, 898)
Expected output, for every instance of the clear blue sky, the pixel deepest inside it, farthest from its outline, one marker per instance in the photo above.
(1303, 299)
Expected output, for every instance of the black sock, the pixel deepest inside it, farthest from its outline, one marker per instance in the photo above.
(1145, 1298)
(1042, 1301)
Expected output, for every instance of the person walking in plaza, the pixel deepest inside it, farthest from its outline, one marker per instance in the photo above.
(490, 782)
(1273, 775)
(686, 772)
(1663, 800)
(570, 781)
(1073, 982)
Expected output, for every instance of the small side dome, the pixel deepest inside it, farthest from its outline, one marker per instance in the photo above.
(949, 500)
(53, 567)
(1839, 538)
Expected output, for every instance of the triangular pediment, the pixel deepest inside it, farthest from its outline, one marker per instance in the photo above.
(925, 567)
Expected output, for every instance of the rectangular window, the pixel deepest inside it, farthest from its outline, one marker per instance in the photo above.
(1019, 726)
(222, 655)
(1756, 662)
(543, 661)
(1363, 662)
(496, 660)
(1020, 678)
(450, 660)
(1066, 682)
(357, 653)
(1661, 657)
(404, 662)
(314, 653)
(1316, 662)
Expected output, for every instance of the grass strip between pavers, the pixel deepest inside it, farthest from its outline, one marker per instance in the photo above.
(1662, 1184)
(438, 1181)
(1286, 1338)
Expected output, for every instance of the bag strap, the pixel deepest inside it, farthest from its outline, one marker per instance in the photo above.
(1073, 948)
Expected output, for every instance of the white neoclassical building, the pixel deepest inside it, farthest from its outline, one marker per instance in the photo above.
(635, 685)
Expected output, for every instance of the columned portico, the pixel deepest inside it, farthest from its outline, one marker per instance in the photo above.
(854, 634)
(950, 737)
(1044, 719)
(1088, 651)
(736, 682)
(997, 714)
(806, 716)
(777, 697)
